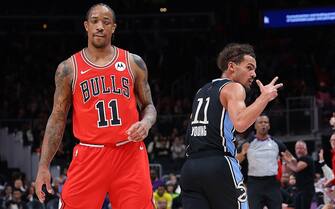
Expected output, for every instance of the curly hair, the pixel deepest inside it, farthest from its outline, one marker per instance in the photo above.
(234, 52)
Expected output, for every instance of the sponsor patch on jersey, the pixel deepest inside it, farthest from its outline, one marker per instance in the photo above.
(120, 66)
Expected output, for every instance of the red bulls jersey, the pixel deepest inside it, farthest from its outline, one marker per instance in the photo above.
(104, 103)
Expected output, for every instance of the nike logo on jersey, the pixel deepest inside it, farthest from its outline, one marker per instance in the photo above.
(141, 148)
(85, 71)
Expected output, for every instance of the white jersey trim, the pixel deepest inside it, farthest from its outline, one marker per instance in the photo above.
(221, 129)
(101, 145)
(92, 145)
(90, 63)
(130, 71)
(75, 73)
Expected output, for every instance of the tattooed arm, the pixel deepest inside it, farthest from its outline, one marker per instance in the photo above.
(55, 126)
(139, 131)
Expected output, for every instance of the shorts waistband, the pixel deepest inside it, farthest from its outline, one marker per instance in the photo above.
(117, 144)
(207, 153)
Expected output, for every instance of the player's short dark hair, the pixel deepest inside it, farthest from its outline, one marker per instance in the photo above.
(234, 52)
(88, 13)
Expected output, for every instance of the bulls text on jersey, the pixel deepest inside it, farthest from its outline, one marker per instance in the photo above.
(98, 85)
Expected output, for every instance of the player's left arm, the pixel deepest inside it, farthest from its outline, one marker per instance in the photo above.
(148, 114)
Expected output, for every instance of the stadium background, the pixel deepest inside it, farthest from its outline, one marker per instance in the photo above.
(179, 41)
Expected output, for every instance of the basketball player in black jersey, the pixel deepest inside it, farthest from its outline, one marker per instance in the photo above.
(211, 176)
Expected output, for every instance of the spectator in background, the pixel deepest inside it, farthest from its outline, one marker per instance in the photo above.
(178, 108)
(18, 184)
(32, 200)
(151, 146)
(292, 189)
(173, 188)
(16, 202)
(161, 194)
(60, 181)
(7, 195)
(328, 186)
(331, 182)
(162, 152)
(332, 121)
(170, 188)
(323, 95)
(31, 193)
(162, 204)
(288, 202)
(155, 180)
(303, 168)
(172, 178)
(178, 149)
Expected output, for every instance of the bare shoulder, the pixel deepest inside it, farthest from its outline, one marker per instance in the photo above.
(232, 91)
(233, 88)
(137, 60)
(138, 65)
(64, 71)
(65, 68)
(142, 87)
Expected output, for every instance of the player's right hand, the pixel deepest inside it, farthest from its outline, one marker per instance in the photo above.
(270, 91)
(43, 177)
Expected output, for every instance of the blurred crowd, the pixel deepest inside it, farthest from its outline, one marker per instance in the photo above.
(179, 62)
(16, 192)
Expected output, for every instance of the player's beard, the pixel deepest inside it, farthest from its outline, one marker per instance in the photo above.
(99, 45)
(247, 88)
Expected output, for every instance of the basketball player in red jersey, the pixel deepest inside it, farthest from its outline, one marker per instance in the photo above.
(103, 83)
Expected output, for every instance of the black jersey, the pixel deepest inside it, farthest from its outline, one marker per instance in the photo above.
(210, 127)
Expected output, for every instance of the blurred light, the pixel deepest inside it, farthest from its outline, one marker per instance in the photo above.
(163, 9)
(299, 17)
(45, 26)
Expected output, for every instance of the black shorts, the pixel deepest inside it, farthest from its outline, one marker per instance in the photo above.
(264, 191)
(213, 182)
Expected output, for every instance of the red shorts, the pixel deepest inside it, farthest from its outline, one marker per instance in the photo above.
(121, 171)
